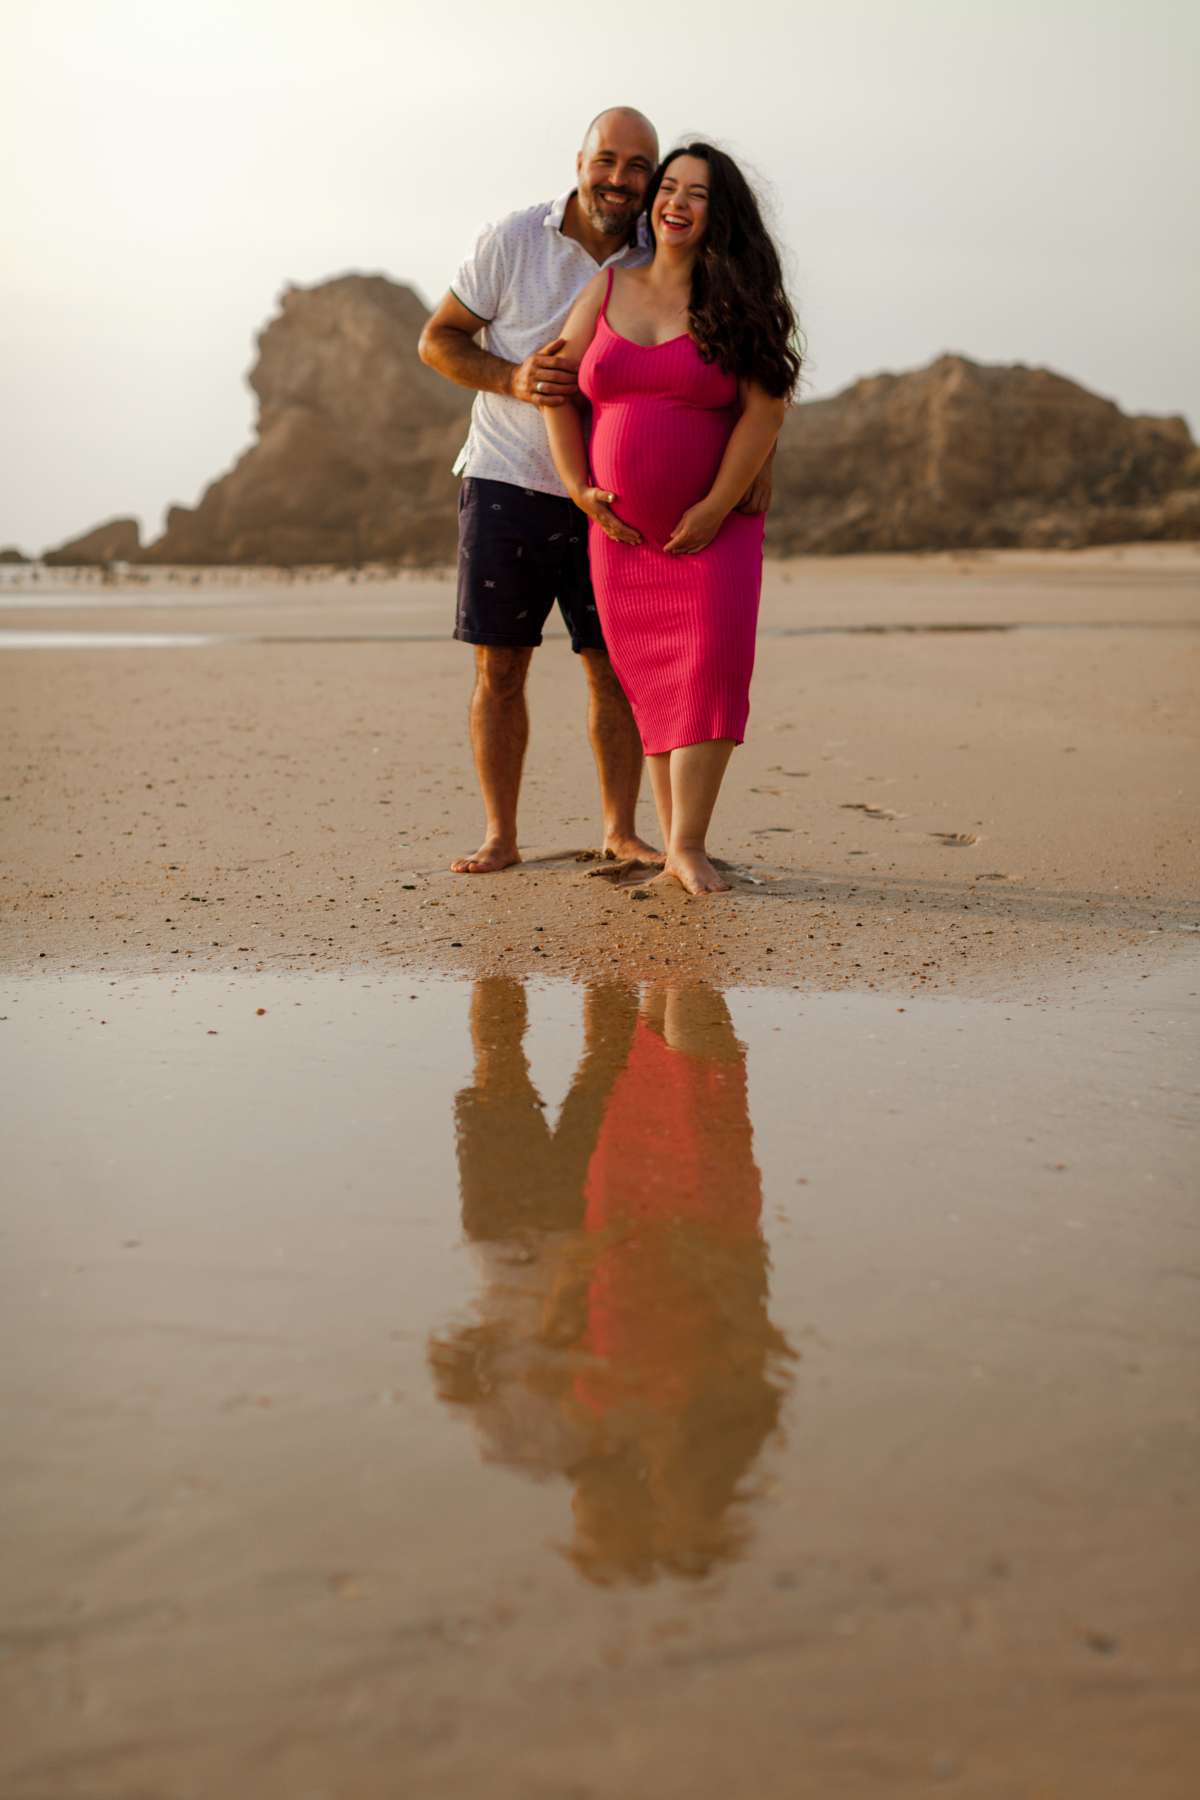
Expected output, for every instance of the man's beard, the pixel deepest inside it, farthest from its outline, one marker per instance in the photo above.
(611, 224)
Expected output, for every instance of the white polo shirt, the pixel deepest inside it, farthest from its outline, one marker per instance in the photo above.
(523, 277)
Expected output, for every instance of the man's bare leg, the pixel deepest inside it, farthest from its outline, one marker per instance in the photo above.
(617, 749)
(499, 734)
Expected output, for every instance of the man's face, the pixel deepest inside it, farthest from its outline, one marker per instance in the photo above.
(613, 171)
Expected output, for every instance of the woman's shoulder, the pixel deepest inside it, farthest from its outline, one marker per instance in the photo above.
(584, 315)
(630, 278)
(591, 296)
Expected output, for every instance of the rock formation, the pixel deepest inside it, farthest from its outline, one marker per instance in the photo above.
(117, 541)
(355, 442)
(10, 554)
(356, 439)
(961, 455)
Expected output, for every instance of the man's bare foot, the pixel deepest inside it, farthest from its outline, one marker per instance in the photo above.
(492, 856)
(693, 871)
(632, 849)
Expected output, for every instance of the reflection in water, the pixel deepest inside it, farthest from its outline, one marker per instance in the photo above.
(622, 1337)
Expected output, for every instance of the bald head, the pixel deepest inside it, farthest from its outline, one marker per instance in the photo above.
(613, 170)
(621, 119)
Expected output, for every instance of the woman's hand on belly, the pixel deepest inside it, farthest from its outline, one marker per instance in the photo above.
(696, 530)
(598, 503)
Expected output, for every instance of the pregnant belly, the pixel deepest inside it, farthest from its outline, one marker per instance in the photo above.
(659, 458)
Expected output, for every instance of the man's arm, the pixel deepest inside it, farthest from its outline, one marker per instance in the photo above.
(448, 345)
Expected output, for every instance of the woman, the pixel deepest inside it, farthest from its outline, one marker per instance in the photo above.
(688, 364)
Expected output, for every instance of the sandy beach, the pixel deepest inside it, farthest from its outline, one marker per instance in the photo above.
(546, 1336)
(958, 770)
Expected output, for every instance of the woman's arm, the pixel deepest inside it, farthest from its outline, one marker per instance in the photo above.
(757, 498)
(564, 426)
(751, 442)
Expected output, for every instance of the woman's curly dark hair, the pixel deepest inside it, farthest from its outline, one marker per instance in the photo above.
(740, 315)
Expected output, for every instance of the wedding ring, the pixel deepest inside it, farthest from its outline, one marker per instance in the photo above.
(540, 388)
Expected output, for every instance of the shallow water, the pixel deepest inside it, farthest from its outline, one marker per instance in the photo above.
(107, 640)
(16, 639)
(400, 1351)
(247, 607)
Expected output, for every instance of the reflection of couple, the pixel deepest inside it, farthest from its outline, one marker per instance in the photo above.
(653, 292)
(622, 1337)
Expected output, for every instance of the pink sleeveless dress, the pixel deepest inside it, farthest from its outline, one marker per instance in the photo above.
(679, 629)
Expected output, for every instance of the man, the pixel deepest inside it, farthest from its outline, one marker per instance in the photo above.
(522, 544)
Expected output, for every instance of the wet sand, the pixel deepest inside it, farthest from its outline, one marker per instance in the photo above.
(522, 1337)
(387, 1413)
(959, 770)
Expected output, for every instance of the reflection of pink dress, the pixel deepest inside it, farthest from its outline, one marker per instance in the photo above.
(679, 629)
(673, 1190)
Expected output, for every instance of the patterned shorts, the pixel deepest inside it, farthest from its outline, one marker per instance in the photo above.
(518, 552)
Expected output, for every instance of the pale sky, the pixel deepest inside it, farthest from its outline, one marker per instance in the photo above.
(1012, 179)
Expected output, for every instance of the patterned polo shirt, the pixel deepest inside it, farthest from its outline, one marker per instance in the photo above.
(523, 276)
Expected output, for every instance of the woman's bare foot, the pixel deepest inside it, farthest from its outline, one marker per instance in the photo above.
(492, 856)
(632, 849)
(693, 871)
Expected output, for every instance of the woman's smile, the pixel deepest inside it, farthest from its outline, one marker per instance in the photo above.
(680, 212)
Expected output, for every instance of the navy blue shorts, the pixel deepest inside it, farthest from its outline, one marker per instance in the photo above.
(518, 552)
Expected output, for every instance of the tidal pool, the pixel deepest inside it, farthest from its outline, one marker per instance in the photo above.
(421, 1387)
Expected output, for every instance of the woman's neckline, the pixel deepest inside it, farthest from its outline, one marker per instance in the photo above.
(661, 345)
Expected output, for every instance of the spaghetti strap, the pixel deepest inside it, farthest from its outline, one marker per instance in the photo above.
(607, 296)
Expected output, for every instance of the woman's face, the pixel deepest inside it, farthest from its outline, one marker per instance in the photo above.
(680, 213)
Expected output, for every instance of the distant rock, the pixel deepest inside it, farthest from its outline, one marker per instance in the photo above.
(10, 554)
(117, 541)
(959, 455)
(355, 442)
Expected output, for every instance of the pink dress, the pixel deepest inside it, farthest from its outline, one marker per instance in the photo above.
(679, 629)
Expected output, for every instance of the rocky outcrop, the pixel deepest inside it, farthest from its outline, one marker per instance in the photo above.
(10, 554)
(355, 442)
(117, 541)
(958, 455)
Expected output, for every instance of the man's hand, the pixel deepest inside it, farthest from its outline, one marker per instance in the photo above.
(696, 530)
(597, 503)
(757, 497)
(546, 378)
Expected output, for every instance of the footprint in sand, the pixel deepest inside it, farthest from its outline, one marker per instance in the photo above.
(619, 870)
(956, 839)
(632, 874)
(872, 812)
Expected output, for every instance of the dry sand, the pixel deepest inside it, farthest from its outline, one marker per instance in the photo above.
(320, 1481)
(959, 770)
